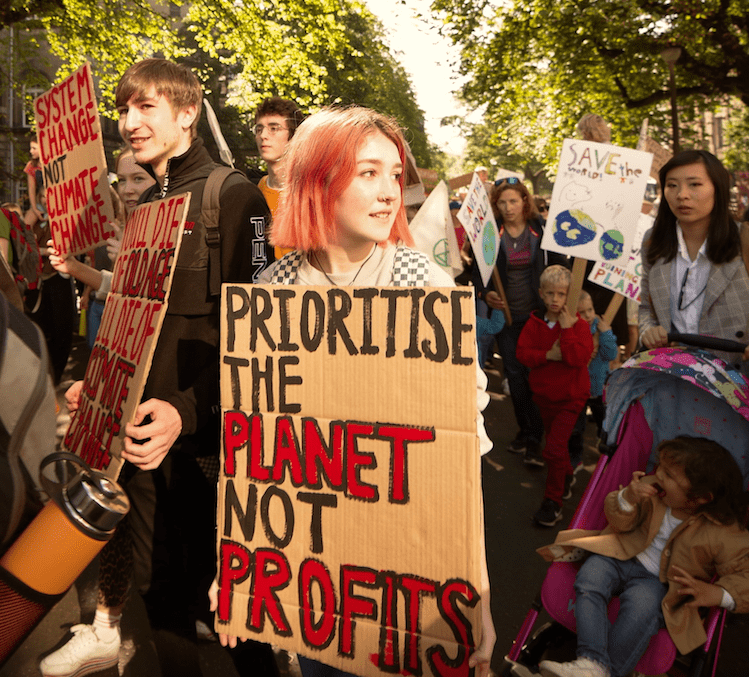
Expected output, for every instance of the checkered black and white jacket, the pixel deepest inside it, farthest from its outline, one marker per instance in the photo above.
(410, 268)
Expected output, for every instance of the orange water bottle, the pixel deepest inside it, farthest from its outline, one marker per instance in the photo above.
(45, 560)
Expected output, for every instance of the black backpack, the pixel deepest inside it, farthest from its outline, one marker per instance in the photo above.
(27, 261)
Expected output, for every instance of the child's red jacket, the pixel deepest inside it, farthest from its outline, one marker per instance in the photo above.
(554, 381)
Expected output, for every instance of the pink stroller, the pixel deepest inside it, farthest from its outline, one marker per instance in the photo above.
(655, 396)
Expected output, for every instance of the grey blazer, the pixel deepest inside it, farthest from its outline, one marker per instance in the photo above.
(725, 309)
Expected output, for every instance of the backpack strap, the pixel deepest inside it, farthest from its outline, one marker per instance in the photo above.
(285, 270)
(410, 268)
(8, 285)
(210, 211)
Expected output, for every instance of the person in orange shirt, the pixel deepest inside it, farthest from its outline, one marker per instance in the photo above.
(276, 120)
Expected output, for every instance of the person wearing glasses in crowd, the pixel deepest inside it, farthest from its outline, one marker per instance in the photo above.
(276, 120)
(520, 262)
(694, 280)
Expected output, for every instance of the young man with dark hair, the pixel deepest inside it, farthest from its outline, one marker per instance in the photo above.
(276, 120)
(172, 449)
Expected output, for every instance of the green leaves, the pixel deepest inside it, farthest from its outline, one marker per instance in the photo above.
(316, 52)
(539, 65)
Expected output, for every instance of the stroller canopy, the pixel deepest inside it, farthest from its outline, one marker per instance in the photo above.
(683, 392)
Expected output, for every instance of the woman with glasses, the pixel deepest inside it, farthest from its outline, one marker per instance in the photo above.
(520, 262)
(694, 280)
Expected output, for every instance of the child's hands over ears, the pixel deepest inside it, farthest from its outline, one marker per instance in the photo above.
(704, 593)
(566, 319)
(554, 354)
(637, 490)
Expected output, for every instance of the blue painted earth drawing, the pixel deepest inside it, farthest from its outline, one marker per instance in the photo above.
(573, 227)
(489, 244)
(611, 245)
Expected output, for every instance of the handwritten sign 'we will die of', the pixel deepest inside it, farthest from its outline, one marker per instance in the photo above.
(133, 314)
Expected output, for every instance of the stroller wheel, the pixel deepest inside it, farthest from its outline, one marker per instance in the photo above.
(552, 637)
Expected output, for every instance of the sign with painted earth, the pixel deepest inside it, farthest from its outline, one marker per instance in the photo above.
(595, 204)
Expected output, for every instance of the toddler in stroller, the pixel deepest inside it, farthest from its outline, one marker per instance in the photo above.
(666, 534)
(655, 396)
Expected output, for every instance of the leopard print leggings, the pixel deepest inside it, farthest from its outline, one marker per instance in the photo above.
(116, 567)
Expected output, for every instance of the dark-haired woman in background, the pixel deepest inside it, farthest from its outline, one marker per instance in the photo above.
(694, 280)
(520, 263)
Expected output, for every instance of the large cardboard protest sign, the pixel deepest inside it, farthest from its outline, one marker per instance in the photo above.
(481, 229)
(349, 498)
(596, 201)
(134, 311)
(73, 164)
(661, 156)
(624, 278)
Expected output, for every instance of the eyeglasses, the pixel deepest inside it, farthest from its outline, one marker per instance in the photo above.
(511, 180)
(272, 128)
(683, 289)
(543, 208)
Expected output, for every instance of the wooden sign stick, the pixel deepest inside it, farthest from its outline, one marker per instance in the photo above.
(576, 284)
(613, 308)
(501, 291)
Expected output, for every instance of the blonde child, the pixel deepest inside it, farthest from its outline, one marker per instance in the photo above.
(604, 350)
(556, 346)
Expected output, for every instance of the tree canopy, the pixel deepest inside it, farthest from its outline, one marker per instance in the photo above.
(537, 66)
(315, 52)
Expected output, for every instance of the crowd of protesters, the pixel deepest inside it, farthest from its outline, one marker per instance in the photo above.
(333, 210)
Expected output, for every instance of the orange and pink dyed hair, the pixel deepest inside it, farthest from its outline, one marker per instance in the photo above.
(320, 164)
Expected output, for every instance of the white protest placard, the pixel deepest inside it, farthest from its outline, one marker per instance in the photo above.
(596, 201)
(74, 166)
(624, 279)
(481, 229)
(120, 360)
(349, 512)
(433, 232)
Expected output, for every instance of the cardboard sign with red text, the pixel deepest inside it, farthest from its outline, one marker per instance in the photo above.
(134, 311)
(79, 204)
(349, 510)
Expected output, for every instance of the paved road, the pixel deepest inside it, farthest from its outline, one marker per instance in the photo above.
(512, 492)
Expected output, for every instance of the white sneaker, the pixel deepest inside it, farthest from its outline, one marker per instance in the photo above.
(582, 667)
(83, 654)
